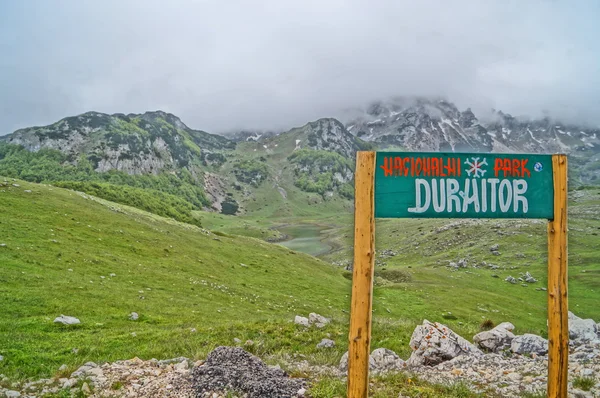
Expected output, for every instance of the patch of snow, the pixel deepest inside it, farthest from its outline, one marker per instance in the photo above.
(532, 137)
(589, 144)
(392, 113)
(276, 145)
(491, 134)
(424, 131)
(264, 146)
(594, 136)
(506, 130)
(349, 128)
(561, 132)
(584, 133)
(503, 135)
(569, 134)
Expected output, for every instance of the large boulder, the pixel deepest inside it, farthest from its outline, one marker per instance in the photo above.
(529, 344)
(497, 339)
(582, 330)
(300, 320)
(433, 343)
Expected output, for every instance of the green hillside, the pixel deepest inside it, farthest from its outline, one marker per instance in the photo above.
(64, 253)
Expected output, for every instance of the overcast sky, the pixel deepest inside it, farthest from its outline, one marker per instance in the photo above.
(272, 64)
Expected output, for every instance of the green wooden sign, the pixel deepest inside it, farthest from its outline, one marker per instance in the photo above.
(463, 185)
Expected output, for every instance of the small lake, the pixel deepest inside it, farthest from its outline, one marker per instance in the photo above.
(306, 238)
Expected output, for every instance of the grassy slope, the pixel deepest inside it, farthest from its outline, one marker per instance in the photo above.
(425, 247)
(174, 275)
(172, 259)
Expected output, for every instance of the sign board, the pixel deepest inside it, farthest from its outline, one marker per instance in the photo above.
(455, 185)
(462, 185)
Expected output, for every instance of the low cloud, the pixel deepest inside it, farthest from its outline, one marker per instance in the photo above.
(223, 66)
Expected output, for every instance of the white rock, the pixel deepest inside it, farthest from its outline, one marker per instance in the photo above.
(385, 360)
(318, 320)
(300, 320)
(433, 343)
(133, 316)
(497, 339)
(326, 343)
(529, 344)
(12, 394)
(67, 320)
(582, 330)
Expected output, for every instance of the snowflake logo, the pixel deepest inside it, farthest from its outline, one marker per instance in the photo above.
(476, 167)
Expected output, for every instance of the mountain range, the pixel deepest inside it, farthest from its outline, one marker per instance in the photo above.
(310, 164)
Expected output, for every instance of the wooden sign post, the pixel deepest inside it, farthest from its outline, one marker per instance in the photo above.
(458, 185)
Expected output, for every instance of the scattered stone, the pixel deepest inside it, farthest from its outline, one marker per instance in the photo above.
(27, 191)
(529, 344)
(494, 248)
(462, 263)
(528, 278)
(193, 330)
(433, 343)
(16, 185)
(326, 343)
(510, 279)
(497, 339)
(67, 320)
(85, 388)
(112, 275)
(300, 320)
(62, 368)
(12, 394)
(318, 320)
(249, 343)
(237, 341)
(1, 358)
(134, 316)
(233, 369)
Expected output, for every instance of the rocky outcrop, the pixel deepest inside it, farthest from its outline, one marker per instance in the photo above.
(497, 339)
(582, 330)
(529, 344)
(433, 343)
(381, 360)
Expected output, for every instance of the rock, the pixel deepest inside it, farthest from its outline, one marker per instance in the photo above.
(581, 394)
(134, 316)
(317, 320)
(27, 191)
(300, 320)
(193, 330)
(497, 339)
(1, 358)
(528, 278)
(529, 344)
(67, 320)
(452, 264)
(494, 248)
(462, 263)
(433, 343)
(84, 370)
(582, 330)
(237, 341)
(85, 388)
(62, 368)
(510, 279)
(243, 374)
(382, 360)
(12, 394)
(326, 343)
(301, 392)
(343, 366)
